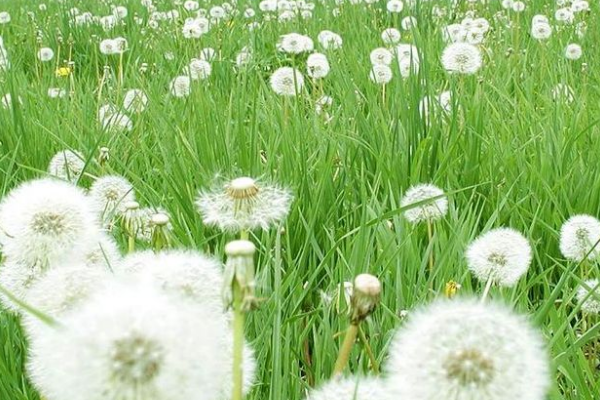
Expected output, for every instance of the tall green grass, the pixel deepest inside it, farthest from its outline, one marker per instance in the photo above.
(509, 155)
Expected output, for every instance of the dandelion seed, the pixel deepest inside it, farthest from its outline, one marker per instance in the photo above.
(381, 74)
(181, 86)
(135, 101)
(45, 54)
(381, 56)
(573, 51)
(317, 66)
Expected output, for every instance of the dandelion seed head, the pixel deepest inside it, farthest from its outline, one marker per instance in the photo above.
(287, 81)
(114, 346)
(503, 255)
(45, 222)
(470, 350)
(462, 58)
(430, 211)
(360, 388)
(580, 237)
(588, 295)
(67, 165)
(244, 205)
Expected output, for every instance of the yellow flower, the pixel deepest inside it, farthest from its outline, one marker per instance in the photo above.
(63, 72)
(451, 289)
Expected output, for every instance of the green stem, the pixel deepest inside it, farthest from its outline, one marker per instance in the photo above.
(488, 286)
(345, 350)
(130, 244)
(238, 343)
(278, 311)
(368, 350)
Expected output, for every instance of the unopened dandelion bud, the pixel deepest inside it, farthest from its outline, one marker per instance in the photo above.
(104, 156)
(131, 218)
(239, 271)
(161, 237)
(365, 296)
(451, 289)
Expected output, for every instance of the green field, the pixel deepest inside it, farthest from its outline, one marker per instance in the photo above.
(509, 153)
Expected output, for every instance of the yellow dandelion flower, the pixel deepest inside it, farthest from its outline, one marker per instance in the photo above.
(452, 288)
(63, 72)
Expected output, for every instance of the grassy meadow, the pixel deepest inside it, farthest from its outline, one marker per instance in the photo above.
(508, 153)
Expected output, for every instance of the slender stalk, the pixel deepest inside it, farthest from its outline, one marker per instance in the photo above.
(131, 244)
(238, 343)
(278, 311)
(430, 237)
(345, 350)
(488, 286)
(368, 350)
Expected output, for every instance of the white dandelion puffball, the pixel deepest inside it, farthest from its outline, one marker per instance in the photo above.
(195, 28)
(46, 221)
(430, 211)
(580, 238)
(60, 291)
(57, 93)
(462, 58)
(541, 31)
(181, 86)
(67, 165)
(244, 204)
(17, 278)
(188, 274)
(330, 40)
(287, 81)
(468, 350)
(358, 388)
(118, 122)
(130, 342)
(502, 255)
(317, 66)
(199, 69)
(381, 56)
(395, 6)
(108, 47)
(135, 101)
(110, 194)
(45, 54)
(294, 43)
(381, 74)
(588, 295)
(573, 51)
(103, 254)
(391, 36)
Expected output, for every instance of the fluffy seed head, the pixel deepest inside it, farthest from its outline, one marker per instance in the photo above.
(109, 194)
(588, 295)
(502, 254)
(360, 388)
(244, 204)
(67, 165)
(114, 346)
(580, 237)
(467, 350)
(46, 221)
(287, 81)
(462, 58)
(430, 211)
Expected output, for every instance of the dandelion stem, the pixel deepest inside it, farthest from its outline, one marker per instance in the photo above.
(278, 310)
(130, 244)
(488, 286)
(238, 342)
(345, 350)
(368, 350)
